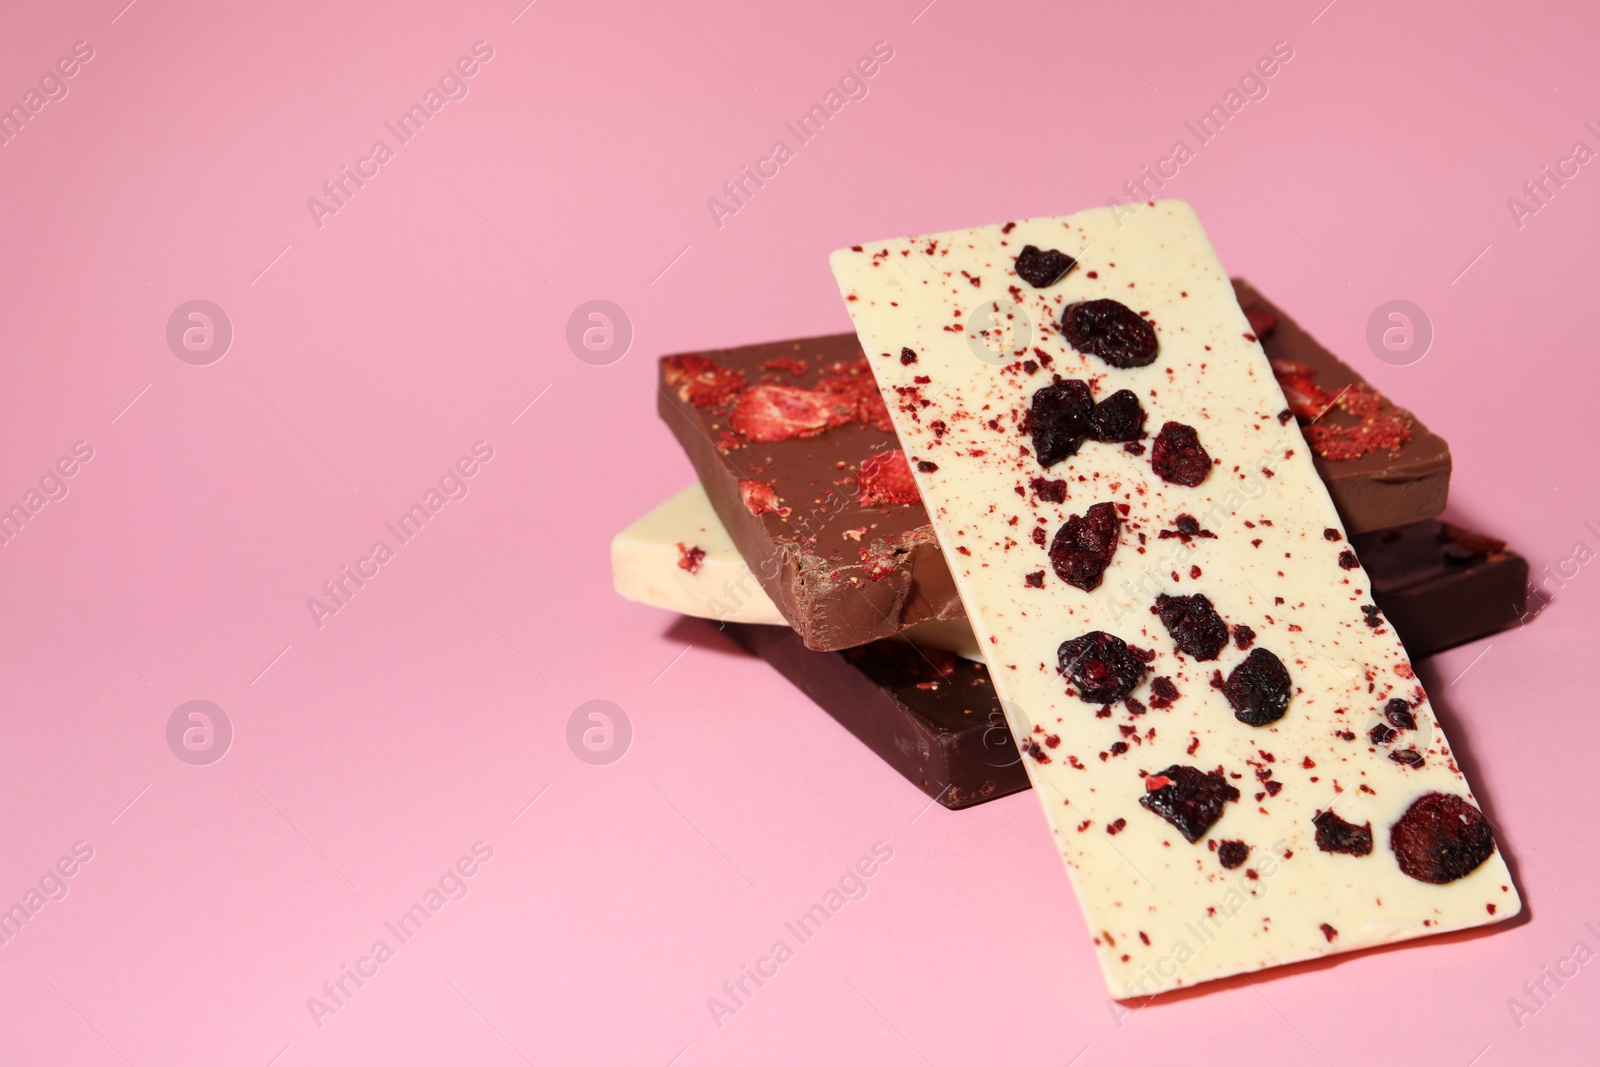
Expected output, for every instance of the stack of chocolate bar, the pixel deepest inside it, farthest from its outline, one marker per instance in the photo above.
(806, 537)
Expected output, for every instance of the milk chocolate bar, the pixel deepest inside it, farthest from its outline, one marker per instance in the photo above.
(789, 440)
(785, 437)
(1381, 465)
(1182, 639)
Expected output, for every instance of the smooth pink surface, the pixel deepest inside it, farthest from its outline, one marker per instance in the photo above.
(425, 715)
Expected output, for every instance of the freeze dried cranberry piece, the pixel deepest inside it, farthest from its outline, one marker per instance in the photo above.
(700, 381)
(1084, 545)
(1059, 420)
(886, 479)
(1232, 854)
(1101, 666)
(1440, 838)
(1347, 560)
(690, 557)
(1407, 757)
(1119, 417)
(1163, 692)
(785, 412)
(1328, 931)
(1381, 734)
(1398, 712)
(1050, 490)
(1043, 267)
(1243, 636)
(1111, 330)
(1178, 457)
(1258, 688)
(1189, 798)
(1336, 835)
(1194, 624)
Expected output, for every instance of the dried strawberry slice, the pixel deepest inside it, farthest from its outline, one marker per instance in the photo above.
(1307, 399)
(1440, 838)
(699, 380)
(1101, 666)
(785, 412)
(886, 479)
(1192, 800)
(1083, 547)
(1111, 330)
(1043, 267)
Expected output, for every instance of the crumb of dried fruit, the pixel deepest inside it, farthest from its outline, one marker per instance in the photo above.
(1083, 547)
(1118, 417)
(907, 356)
(1058, 418)
(1050, 490)
(690, 557)
(1243, 636)
(1440, 838)
(1258, 689)
(1100, 666)
(1111, 330)
(1043, 267)
(1329, 932)
(1035, 579)
(886, 479)
(700, 381)
(759, 497)
(1178, 457)
(1189, 798)
(1163, 692)
(1232, 854)
(1336, 835)
(1194, 624)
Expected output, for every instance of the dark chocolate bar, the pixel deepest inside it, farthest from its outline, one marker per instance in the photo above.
(793, 445)
(1440, 586)
(936, 719)
(1382, 466)
(930, 715)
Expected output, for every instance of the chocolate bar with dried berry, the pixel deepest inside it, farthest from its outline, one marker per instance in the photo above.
(1382, 466)
(793, 445)
(936, 719)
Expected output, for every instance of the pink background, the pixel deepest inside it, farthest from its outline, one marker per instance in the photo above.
(373, 752)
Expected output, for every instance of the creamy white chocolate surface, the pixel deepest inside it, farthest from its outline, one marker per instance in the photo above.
(645, 567)
(1163, 912)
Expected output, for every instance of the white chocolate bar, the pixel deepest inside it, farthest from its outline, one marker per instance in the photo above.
(646, 566)
(1163, 912)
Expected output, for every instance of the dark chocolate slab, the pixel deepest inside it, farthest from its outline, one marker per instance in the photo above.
(1441, 586)
(937, 720)
(1377, 490)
